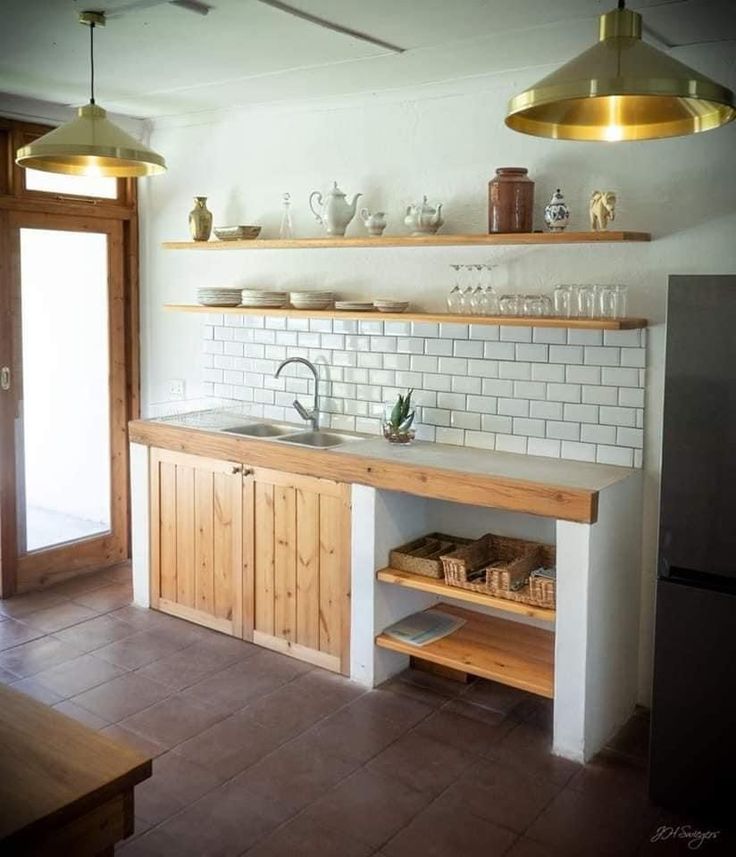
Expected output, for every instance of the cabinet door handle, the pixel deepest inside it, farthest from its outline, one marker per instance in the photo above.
(237, 468)
(5, 378)
(248, 471)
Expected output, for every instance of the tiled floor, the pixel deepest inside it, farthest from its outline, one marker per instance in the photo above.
(262, 755)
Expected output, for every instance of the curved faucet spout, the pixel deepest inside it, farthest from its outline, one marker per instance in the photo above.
(313, 415)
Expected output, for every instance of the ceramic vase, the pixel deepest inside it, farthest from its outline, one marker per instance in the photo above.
(510, 201)
(556, 213)
(200, 220)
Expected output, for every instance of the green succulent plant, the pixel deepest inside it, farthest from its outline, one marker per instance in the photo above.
(402, 415)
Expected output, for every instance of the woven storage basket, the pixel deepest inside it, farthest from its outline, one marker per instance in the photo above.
(469, 567)
(422, 556)
(537, 591)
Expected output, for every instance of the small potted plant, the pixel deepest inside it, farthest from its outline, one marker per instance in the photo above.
(397, 427)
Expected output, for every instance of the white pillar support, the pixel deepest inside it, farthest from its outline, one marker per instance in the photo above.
(140, 524)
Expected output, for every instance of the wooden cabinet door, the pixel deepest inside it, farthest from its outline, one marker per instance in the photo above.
(297, 551)
(197, 539)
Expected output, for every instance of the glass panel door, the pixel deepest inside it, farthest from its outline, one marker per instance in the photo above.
(64, 481)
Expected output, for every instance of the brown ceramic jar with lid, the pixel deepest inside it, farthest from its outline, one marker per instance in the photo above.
(510, 201)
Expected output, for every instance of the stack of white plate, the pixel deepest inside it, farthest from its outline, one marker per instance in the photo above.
(218, 296)
(311, 300)
(355, 306)
(264, 299)
(388, 305)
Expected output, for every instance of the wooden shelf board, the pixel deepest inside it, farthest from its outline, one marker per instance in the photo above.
(442, 318)
(505, 651)
(440, 240)
(439, 587)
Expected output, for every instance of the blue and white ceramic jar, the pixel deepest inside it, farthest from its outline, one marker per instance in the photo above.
(556, 213)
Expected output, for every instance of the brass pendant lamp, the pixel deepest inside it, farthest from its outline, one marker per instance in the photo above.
(91, 145)
(621, 89)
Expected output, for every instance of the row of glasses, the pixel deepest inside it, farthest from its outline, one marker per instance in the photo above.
(473, 292)
(590, 301)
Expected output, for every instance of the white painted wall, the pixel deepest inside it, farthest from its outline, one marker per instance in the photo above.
(444, 140)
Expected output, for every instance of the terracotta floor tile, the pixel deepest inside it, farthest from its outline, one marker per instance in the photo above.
(470, 735)
(37, 655)
(38, 691)
(23, 605)
(231, 745)
(122, 573)
(507, 796)
(106, 598)
(80, 583)
(6, 677)
(497, 697)
(244, 682)
(146, 619)
(437, 684)
(133, 739)
(605, 777)
(59, 616)
(580, 823)
(174, 784)
(224, 823)
(399, 709)
(367, 806)
(79, 674)
(81, 714)
(414, 691)
(295, 774)
(95, 633)
(13, 633)
(117, 699)
(529, 848)
(528, 747)
(422, 763)
(190, 665)
(304, 837)
(137, 650)
(172, 721)
(441, 831)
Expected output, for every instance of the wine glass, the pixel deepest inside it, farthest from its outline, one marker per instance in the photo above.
(455, 298)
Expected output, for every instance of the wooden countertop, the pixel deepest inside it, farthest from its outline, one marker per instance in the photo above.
(553, 488)
(53, 769)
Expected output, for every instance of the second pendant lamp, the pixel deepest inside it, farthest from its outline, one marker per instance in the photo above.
(621, 89)
(91, 145)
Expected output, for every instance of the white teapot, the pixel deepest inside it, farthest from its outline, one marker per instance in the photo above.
(423, 219)
(375, 223)
(335, 212)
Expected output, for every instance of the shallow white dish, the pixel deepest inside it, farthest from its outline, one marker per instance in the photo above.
(354, 306)
(391, 306)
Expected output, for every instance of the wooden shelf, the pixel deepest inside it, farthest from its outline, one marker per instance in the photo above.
(505, 651)
(439, 587)
(439, 240)
(442, 318)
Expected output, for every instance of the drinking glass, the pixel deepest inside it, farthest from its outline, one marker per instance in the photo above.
(509, 304)
(607, 301)
(563, 301)
(620, 301)
(586, 301)
(546, 305)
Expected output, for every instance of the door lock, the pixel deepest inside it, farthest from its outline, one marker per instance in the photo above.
(5, 378)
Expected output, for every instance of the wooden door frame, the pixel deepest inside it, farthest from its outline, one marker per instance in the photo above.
(121, 217)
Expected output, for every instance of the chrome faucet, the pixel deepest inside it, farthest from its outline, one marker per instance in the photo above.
(313, 415)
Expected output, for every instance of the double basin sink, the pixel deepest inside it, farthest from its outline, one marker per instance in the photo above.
(284, 433)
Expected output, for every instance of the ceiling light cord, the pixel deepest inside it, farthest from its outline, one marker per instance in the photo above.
(92, 62)
(621, 4)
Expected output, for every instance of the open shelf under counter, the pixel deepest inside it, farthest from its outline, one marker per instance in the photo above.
(426, 317)
(439, 587)
(505, 651)
(439, 240)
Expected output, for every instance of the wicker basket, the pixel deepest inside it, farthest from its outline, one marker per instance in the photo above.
(501, 566)
(422, 556)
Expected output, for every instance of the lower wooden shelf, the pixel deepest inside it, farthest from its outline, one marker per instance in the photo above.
(439, 587)
(505, 651)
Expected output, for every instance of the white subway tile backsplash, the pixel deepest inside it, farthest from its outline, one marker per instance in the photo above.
(593, 395)
(566, 354)
(513, 407)
(516, 334)
(484, 386)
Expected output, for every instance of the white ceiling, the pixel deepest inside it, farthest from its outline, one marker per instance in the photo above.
(164, 60)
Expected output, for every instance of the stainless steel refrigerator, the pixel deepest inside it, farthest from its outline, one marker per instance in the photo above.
(693, 737)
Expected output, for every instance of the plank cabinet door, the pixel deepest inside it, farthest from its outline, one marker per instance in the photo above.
(197, 539)
(297, 556)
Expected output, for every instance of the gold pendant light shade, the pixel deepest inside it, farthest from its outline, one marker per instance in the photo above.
(621, 89)
(90, 145)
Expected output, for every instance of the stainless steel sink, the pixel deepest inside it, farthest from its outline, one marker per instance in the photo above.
(317, 439)
(262, 430)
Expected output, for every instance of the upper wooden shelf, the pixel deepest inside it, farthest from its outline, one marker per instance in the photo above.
(439, 240)
(437, 317)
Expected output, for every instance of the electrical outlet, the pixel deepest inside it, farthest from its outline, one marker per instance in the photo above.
(175, 389)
